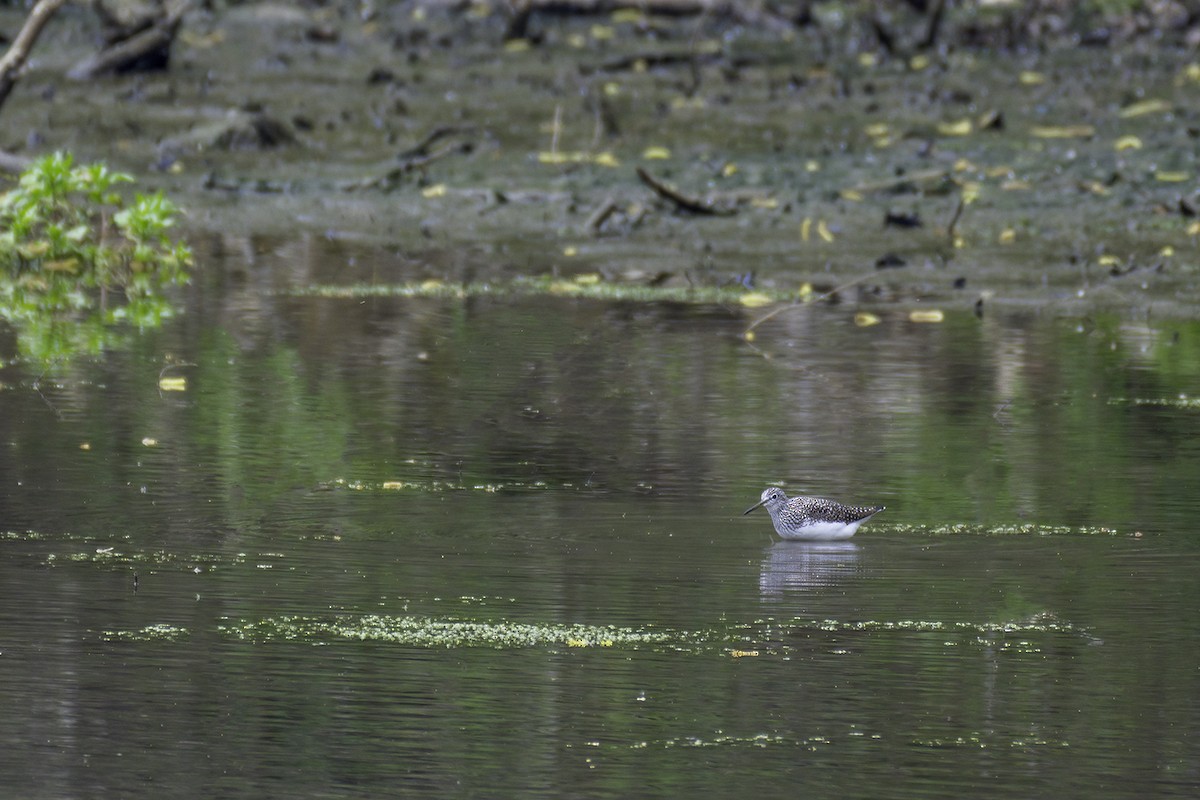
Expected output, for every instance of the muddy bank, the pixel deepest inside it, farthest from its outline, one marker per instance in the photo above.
(778, 153)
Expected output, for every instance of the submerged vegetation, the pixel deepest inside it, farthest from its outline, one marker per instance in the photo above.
(76, 257)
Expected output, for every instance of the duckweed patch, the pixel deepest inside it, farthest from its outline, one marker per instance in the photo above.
(1020, 529)
(771, 636)
(159, 632)
(194, 562)
(448, 633)
(583, 286)
(1014, 636)
(1181, 402)
(437, 487)
(980, 741)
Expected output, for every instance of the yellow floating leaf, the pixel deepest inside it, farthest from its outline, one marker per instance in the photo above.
(1191, 72)
(933, 315)
(176, 167)
(606, 159)
(729, 169)
(812, 166)
(853, 195)
(577, 41)
(656, 153)
(748, 336)
(430, 284)
(633, 15)
(640, 65)
(867, 60)
(85, 446)
(1108, 261)
(393, 485)
(437, 190)
(963, 165)
(960, 127)
(418, 14)
(805, 291)
(755, 300)
(1063, 131)
(1127, 143)
(823, 231)
(587, 279)
(612, 89)
(918, 62)
(1095, 187)
(805, 229)
(602, 33)
(876, 130)
(516, 45)
(959, 242)
(576, 643)
(764, 202)
(570, 251)
(1007, 236)
(1194, 229)
(1167, 251)
(1144, 107)
(149, 441)
(177, 384)
(563, 287)
(970, 192)
(1016, 186)
(1165, 176)
(743, 653)
(998, 171)
(696, 102)
(865, 319)
(1030, 78)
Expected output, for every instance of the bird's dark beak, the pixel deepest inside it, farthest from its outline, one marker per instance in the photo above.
(751, 508)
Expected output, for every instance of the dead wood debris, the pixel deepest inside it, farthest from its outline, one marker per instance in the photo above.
(140, 43)
(416, 159)
(524, 10)
(692, 205)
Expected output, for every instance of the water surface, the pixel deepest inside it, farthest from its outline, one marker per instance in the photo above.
(494, 546)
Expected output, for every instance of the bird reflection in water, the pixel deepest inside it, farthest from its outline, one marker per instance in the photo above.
(797, 566)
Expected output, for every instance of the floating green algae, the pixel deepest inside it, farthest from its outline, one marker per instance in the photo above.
(159, 632)
(769, 636)
(1016, 529)
(583, 286)
(445, 633)
(438, 486)
(1182, 401)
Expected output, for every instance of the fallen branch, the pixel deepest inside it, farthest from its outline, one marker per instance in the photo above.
(693, 205)
(393, 176)
(806, 303)
(14, 60)
(523, 11)
(153, 42)
(597, 218)
(958, 210)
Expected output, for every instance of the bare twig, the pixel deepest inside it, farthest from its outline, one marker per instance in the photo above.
(958, 210)
(935, 26)
(693, 205)
(807, 302)
(597, 218)
(119, 55)
(18, 53)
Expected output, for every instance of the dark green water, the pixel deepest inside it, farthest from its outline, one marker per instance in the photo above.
(493, 547)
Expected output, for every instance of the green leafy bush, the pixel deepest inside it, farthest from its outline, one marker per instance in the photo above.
(72, 249)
